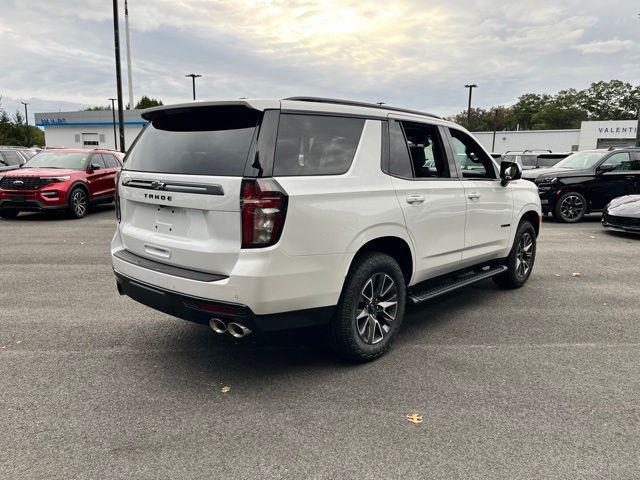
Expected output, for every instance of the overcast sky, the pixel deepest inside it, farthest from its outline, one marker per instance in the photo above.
(58, 54)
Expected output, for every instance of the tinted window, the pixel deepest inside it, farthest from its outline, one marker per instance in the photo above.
(471, 160)
(528, 160)
(11, 157)
(549, 160)
(399, 161)
(196, 141)
(425, 147)
(110, 161)
(315, 144)
(622, 161)
(97, 159)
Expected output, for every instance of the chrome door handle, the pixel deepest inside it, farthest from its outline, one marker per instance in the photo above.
(415, 199)
(473, 196)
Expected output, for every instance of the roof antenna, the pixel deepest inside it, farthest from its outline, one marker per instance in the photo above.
(381, 103)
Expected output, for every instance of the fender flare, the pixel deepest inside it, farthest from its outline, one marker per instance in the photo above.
(372, 233)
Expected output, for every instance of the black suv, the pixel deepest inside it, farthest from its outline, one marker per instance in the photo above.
(587, 181)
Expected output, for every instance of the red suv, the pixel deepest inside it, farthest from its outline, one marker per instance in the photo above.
(60, 179)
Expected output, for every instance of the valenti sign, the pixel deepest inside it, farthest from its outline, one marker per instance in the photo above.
(618, 131)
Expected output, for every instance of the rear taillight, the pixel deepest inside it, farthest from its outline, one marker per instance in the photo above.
(263, 204)
(116, 197)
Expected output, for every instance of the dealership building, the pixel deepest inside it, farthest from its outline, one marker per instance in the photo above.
(88, 129)
(95, 129)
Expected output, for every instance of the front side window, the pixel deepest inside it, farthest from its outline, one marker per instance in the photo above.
(316, 144)
(57, 159)
(471, 160)
(622, 161)
(110, 161)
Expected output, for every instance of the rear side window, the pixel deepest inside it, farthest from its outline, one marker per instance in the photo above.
(316, 144)
(196, 141)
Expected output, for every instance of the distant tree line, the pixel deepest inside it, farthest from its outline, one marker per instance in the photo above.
(14, 130)
(613, 100)
(145, 102)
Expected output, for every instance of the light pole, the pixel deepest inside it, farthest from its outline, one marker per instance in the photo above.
(193, 81)
(26, 121)
(116, 38)
(113, 115)
(470, 87)
(26, 114)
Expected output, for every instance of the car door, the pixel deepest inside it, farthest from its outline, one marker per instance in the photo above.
(613, 183)
(432, 200)
(112, 166)
(97, 178)
(489, 204)
(635, 172)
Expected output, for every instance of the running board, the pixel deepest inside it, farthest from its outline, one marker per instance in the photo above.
(452, 285)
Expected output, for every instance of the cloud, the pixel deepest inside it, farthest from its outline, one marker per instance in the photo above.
(407, 52)
(606, 47)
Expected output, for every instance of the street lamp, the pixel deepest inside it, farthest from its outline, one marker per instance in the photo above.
(26, 114)
(470, 87)
(193, 81)
(113, 115)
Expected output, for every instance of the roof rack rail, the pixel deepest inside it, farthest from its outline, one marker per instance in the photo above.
(360, 104)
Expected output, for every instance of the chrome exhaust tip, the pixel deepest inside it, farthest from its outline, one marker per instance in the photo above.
(217, 325)
(238, 330)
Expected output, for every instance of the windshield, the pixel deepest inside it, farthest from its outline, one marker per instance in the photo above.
(53, 159)
(581, 160)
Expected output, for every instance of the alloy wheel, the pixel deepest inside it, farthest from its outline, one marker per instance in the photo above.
(572, 207)
(377, 308)
(524, 255)
(79, 203)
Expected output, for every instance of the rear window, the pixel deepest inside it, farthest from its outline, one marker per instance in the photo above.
(196, 141)
(316, 144)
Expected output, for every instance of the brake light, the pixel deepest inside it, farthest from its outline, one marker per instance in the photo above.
(116, 197)
(263, 204)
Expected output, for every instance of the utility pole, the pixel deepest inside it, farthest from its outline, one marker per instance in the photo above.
(26, 121)
(470, 87)
(193, 80)
(113, 115)
(129, 72)
(116, 37)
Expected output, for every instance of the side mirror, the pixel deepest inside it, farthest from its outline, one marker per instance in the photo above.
(509, 171)
(94, 166)
(607, 167)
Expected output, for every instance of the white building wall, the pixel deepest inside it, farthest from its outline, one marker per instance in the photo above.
(554, 140)
(71, 136)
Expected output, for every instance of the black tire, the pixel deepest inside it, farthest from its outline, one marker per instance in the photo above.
(78, 203)
(516, 276)
(9, 214)
(362, 339)
(571, 207)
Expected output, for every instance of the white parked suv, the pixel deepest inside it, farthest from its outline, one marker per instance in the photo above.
(264, 215)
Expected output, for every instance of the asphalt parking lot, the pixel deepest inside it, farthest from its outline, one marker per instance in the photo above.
(542, 382)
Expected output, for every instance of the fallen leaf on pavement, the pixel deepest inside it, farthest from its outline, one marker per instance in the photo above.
(415, 418)
(557, 275)
(576, 274)
(225, 389)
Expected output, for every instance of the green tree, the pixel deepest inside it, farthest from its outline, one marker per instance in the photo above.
(613, 100)
(97, 108)
(146, 102)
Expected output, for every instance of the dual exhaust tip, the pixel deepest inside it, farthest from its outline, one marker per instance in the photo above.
(236, 330)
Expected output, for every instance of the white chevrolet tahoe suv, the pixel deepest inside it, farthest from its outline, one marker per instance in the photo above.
(263, 215)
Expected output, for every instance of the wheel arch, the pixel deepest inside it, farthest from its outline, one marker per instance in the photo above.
(395, 246)
(78, 184)
(533, 217)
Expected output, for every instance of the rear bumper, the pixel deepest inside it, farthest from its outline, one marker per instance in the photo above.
(201, 310)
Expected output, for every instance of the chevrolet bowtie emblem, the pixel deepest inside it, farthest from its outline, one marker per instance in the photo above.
(157, 185)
